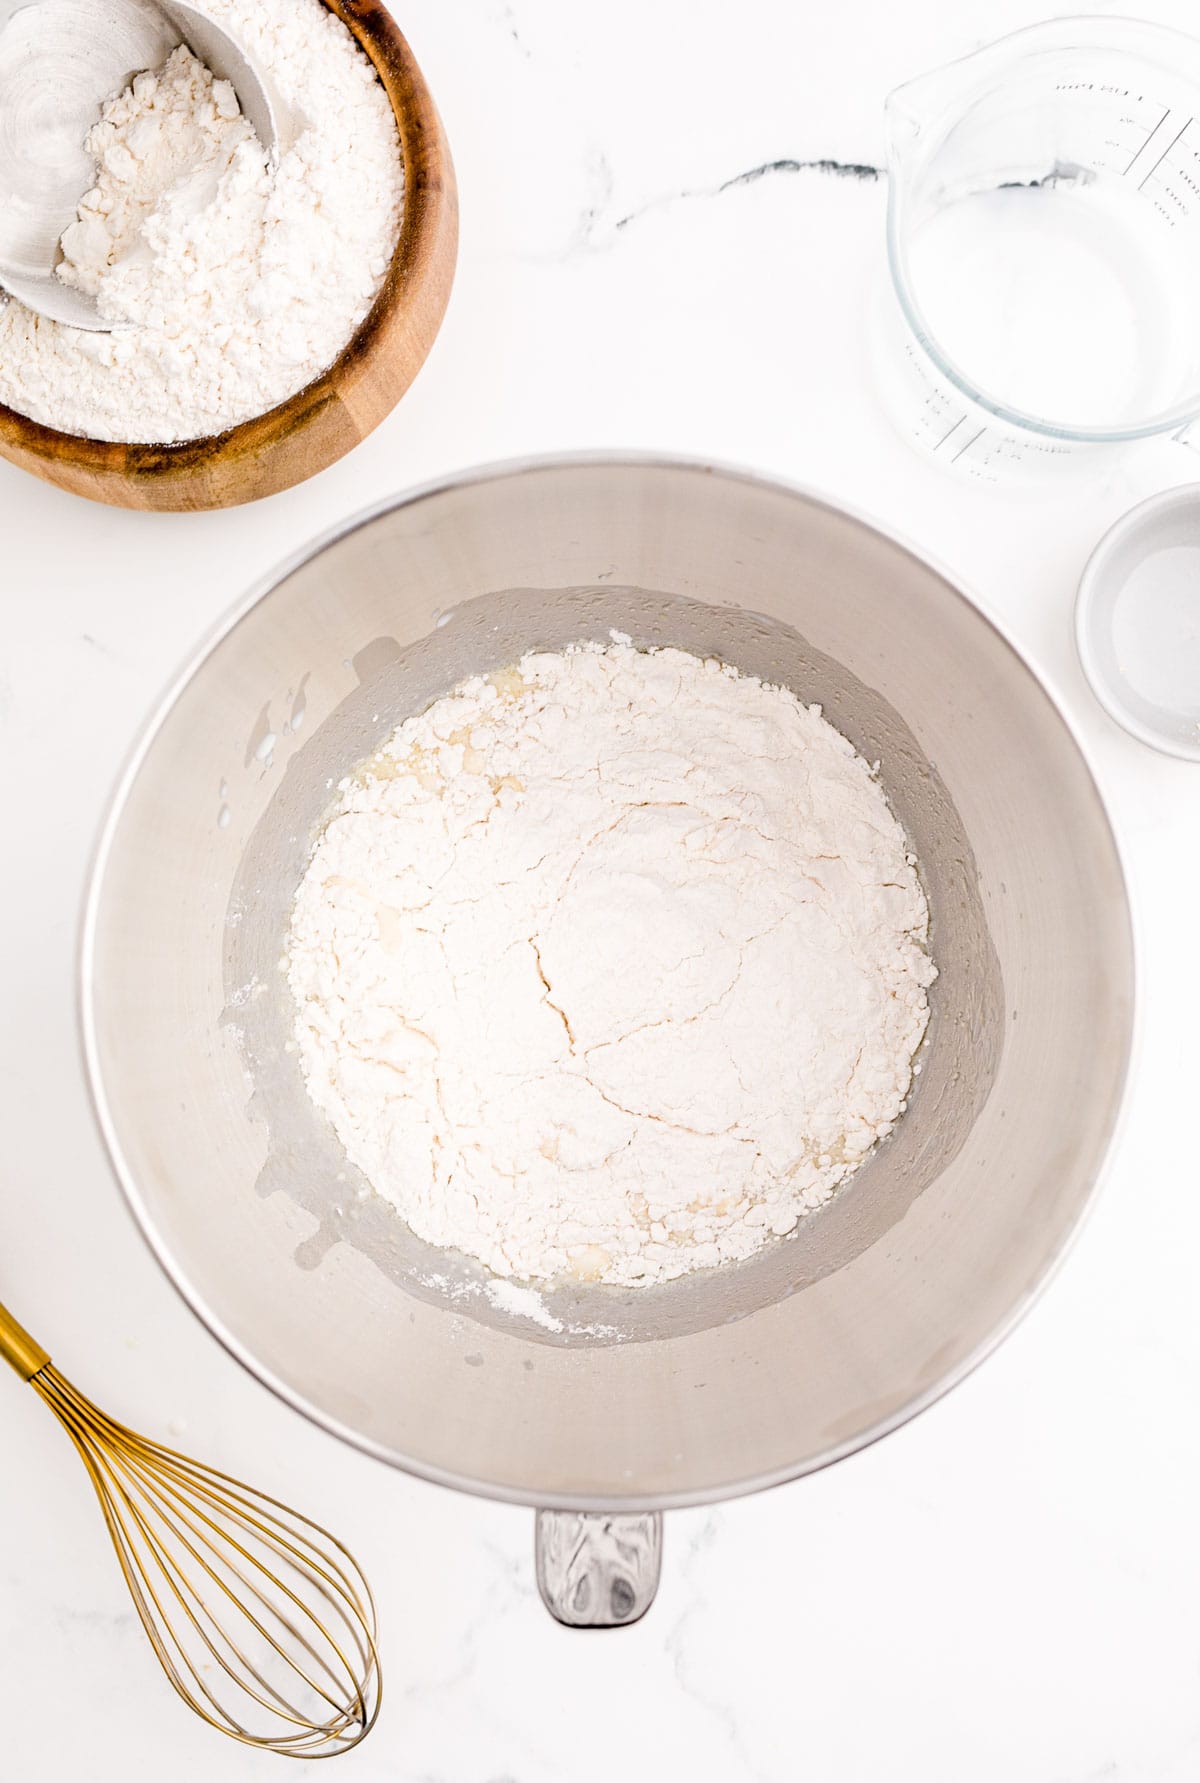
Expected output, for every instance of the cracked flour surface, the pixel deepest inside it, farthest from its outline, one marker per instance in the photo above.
(610, 965)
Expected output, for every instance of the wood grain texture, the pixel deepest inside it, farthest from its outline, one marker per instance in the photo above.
(331, 415)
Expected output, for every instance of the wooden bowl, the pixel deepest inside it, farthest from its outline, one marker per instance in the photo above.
(331, 415)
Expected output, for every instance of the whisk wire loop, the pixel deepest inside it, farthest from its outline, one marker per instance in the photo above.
(261, 1620)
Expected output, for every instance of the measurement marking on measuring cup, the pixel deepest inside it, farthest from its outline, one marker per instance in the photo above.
(1164, 154)
(1141, 151)
(969, 444)
(948, 432)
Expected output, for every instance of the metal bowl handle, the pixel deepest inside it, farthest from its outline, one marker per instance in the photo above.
(595, 1570)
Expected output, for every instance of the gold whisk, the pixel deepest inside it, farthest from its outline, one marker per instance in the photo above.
(261, 1620)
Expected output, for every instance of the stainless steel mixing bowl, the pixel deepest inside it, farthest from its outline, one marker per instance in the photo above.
(705, 1387)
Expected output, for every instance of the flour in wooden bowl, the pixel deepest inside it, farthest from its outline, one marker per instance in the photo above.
(235, 282)
(610, 966)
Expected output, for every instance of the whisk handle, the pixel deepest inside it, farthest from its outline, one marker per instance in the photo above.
(18, 1348)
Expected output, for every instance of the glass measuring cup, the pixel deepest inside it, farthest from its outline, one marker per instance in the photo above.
(1043, 242)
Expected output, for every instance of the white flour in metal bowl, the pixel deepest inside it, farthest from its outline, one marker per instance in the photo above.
(243, 280)
(610, 966)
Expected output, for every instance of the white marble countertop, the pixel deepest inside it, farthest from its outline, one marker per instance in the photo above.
(1005, 1589)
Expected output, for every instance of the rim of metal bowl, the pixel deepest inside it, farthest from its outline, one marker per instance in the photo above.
(127, 1180)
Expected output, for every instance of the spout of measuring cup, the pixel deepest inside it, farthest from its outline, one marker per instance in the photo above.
(912, 108)
(902, 119)
(905, 120)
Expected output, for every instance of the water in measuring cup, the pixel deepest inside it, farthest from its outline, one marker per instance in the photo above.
(1058, 298)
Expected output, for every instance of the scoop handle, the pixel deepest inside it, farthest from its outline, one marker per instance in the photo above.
(18, 1348)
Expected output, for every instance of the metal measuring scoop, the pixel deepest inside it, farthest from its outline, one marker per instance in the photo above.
(59, 61)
